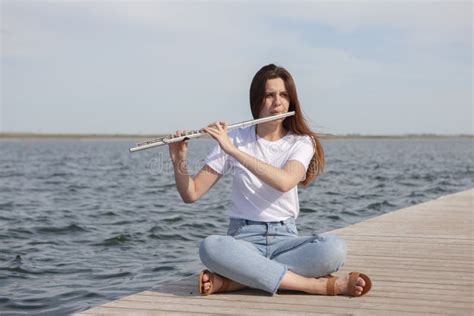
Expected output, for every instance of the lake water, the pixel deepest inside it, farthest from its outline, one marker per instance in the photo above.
(85, 222)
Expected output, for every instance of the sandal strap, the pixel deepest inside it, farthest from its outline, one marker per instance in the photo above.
(353, 276)
(331, 286)
(211, 282)
(225, 284)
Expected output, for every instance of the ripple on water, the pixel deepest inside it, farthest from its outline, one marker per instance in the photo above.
(380, 205)
(25, 306)
(19, 232)
(173, 219)
(78, 294)
(197, 226)
(71, 228)
(46, 242)
(163, 268)
(435, 190)
(122, 239)
(350, 213)
(307, 210)
(416, 194)
(7, 206)
(16, 269)
(109, 213)
(333, 217)
(408, 184)
(114, 241)
(111, 275)
(169, 236)
(445, 183)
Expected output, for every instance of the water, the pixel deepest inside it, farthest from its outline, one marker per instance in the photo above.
(85, 222)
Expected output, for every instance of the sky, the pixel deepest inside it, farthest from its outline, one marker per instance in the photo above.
(152, 67)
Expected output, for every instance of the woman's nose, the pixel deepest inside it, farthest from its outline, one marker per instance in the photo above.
(277, 100)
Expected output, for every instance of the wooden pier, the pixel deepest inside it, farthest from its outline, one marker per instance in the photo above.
(419, 258)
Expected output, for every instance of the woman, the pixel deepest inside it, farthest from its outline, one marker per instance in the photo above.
(262, 248)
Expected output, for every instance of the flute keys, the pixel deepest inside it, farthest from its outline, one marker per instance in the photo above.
(152, 141)
(196, 133)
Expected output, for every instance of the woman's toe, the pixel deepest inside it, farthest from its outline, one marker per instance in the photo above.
(360, 282)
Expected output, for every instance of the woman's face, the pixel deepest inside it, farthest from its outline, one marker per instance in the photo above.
(276, 99)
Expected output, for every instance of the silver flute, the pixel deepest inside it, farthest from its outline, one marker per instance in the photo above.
(194, 134)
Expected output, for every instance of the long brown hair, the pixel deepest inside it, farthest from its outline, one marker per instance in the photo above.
(297, 123)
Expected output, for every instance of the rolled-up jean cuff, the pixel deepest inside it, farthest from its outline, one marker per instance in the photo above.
(285, 270)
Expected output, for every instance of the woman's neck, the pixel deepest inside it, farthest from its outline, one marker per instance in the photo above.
(271, 132)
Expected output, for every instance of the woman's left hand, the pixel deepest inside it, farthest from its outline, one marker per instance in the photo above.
(218, 131)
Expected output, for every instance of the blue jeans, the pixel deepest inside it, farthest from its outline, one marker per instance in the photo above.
(258, 254)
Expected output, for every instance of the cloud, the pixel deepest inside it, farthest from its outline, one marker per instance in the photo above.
(200, 57)
(27, 28)
(424, 20)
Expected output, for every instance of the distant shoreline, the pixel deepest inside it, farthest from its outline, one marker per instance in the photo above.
(33, 136)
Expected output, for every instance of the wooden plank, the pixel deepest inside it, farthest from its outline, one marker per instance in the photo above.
(382, 239)
(218, 307)
(102, 310)
(289, 298)
(298, 304)
(420, 260)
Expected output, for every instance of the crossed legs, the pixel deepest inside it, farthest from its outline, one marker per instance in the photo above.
(300, 268)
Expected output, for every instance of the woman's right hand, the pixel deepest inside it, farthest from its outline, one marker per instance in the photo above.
(178, 150)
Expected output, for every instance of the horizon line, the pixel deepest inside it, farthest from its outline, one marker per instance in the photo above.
(119, 135)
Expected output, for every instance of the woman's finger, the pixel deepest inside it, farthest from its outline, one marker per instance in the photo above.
(210, 130)
(222, 126)
(213, 133)
(216, 124)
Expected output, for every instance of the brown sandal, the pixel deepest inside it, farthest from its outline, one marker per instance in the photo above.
(353, 276)
(223, 288)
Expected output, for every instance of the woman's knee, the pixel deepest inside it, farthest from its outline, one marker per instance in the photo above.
(338, 250)
(211, 248)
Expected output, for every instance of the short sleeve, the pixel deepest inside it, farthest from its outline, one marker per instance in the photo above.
(303, 151)
(217, 159)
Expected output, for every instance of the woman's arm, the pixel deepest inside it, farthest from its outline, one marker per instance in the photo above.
(281, 179)
(190, 188)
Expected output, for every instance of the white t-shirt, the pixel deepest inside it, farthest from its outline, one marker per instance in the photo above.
(253, 199)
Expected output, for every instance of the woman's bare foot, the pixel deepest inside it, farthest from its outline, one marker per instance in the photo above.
(218, 285)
